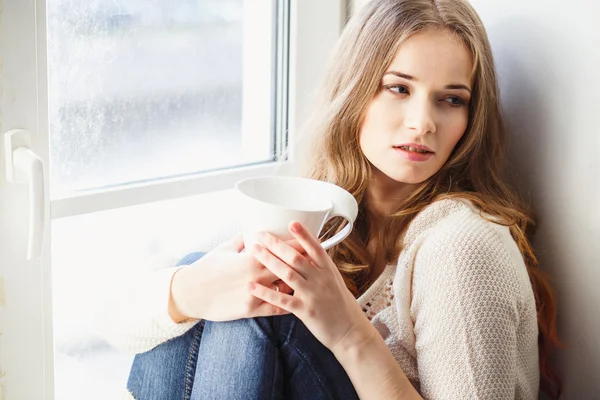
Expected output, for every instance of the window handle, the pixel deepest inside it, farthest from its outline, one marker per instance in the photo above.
(24, 166)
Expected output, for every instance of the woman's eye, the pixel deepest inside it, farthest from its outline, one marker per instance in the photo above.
(398, 89)
(455, 101)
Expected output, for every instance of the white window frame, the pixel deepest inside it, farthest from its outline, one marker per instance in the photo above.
(314, 28)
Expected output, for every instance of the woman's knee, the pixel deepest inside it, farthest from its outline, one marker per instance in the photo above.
(167, 371)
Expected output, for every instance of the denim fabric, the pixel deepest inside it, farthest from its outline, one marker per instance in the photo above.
(167, 371)
(254, 358)
(190, 258)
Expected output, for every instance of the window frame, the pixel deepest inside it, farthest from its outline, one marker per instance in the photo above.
(29, 359)
(309, 31)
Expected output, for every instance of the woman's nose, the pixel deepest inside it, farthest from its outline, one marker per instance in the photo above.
(420, 117)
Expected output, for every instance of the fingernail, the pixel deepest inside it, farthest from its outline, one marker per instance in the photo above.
(295, 227)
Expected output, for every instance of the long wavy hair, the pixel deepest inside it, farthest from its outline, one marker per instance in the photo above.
(474, 170)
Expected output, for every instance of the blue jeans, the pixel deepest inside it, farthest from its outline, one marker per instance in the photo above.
(254, 358)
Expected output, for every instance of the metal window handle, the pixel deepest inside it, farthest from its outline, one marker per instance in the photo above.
(24, 166)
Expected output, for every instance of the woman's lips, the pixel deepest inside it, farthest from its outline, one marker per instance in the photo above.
(415, 147)
(406, 153)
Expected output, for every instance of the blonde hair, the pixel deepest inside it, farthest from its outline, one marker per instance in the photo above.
(474, 170)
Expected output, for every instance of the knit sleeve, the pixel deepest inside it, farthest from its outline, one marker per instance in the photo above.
(136, 317)
(465, 308)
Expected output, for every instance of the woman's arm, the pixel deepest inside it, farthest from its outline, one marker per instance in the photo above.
(465, 305)
(468, 284)
(372, 368)
(160, 305)
(329, 310)
(135, 317)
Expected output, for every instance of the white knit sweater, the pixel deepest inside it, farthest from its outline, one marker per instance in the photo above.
(457, 311)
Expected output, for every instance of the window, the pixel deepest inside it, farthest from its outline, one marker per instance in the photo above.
(142, 90)
(144, 114)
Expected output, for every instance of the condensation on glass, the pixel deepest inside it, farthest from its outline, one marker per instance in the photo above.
(142, 89)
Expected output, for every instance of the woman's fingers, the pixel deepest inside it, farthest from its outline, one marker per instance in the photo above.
(293, 243)
(236, 244)
(281, 286)
(267, 278)
(267, 310)
(286, 273)
(311, 244)
(286, 253)
(277, 300)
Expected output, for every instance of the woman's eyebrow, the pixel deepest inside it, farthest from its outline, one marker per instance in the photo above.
(401, 75)
(459, 86)
(412, 78)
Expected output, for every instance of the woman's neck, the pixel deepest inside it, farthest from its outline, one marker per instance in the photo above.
(384, 194)
(382, 199)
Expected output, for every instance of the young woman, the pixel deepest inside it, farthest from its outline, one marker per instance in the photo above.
(436, 294)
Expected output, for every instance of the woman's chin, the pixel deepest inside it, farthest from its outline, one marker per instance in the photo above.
(409, 179)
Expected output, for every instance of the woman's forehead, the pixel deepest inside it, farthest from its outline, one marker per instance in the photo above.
(434, 57)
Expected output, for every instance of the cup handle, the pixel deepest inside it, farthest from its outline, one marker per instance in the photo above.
(341, 235)
(345, 206)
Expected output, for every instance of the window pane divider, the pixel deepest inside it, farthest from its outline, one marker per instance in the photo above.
(103, 199)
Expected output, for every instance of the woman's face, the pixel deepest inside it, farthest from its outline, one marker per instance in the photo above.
(421, 110)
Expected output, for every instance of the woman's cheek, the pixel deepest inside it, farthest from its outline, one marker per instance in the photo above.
(456, 131)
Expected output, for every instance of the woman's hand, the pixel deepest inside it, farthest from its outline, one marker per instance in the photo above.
(215, 287)
(321, 299)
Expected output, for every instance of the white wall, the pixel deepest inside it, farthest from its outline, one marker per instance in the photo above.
(548, 57)
(548, 60)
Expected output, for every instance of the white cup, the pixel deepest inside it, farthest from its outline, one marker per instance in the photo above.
(269, 204)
